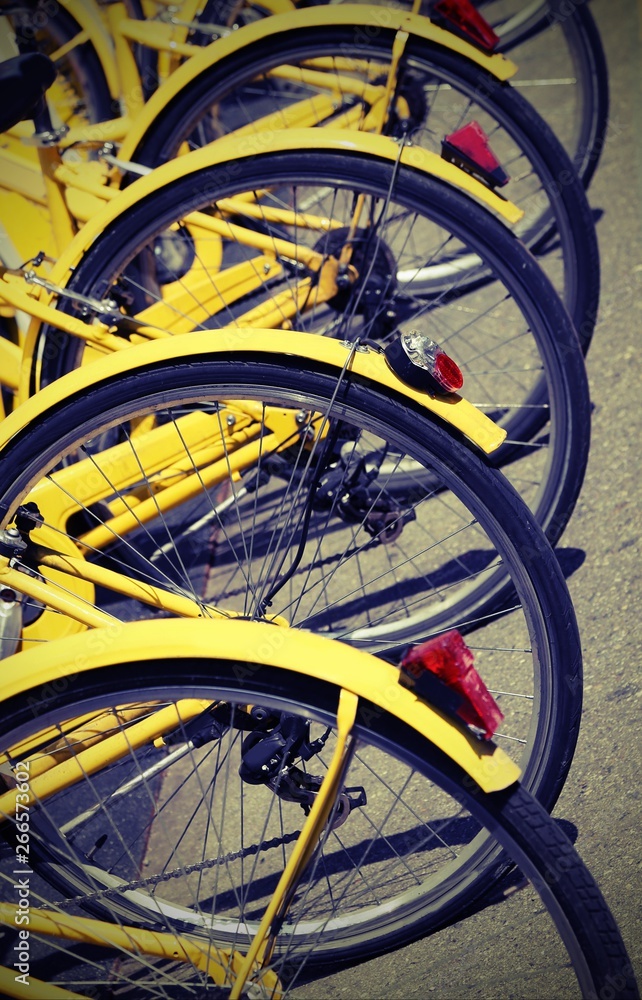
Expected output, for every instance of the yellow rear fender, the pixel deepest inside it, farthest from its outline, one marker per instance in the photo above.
(309, 348)
(230, 151)
(365, 19)
(255, 643)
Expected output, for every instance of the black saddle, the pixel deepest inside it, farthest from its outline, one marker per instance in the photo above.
(23, 82)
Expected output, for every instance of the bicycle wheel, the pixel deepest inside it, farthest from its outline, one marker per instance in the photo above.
(249, 485)
(574, 98)
(438, 92)
(190, 837)
(81, 93)
(511, 336)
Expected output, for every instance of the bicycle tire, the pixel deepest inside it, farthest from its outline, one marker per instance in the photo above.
(458, 91)
(587, 57)
(519, 339)
(390, 754)
(81, 69)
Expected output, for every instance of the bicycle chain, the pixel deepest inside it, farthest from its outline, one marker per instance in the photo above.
(152, 880)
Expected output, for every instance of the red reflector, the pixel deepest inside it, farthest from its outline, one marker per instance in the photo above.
(448, 373)
(469, 148)
(448, 657)
(463, 19)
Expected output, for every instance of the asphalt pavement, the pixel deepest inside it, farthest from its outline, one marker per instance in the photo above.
(600, 804)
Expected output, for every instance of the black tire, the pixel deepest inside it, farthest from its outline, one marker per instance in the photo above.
(38, 26)
(400, 773)
(458, 91)
(525, 366)
(304, 542)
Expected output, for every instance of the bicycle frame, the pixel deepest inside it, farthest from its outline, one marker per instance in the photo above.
(23, 176)
(358, 674)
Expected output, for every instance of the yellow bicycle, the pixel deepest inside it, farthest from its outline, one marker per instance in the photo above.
(228, 807)
(349, 67)
(296, 481)
(351, 235)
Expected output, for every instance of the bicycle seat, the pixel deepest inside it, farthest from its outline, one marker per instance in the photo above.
(23, 81)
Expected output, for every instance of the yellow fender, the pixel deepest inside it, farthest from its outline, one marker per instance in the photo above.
(255, 643)
(453, 410)
(231, 149)
(366, 18)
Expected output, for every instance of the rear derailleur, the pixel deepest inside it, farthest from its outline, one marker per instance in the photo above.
(268, 759)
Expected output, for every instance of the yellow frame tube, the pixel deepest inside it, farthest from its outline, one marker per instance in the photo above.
(92, 759)
(304, 114)
(131, 90)
(258, 643)
(155, 35)
(369, 92)
(164, 455)
(379, 116)
(53, 596)
(20, 174)
(177, 314)
(82, 731)
(23, 749)
(10, 361)
(64, 50)
(218, 963)
(306, 844)
(62, 224)
(156, 597)
(179, 493)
